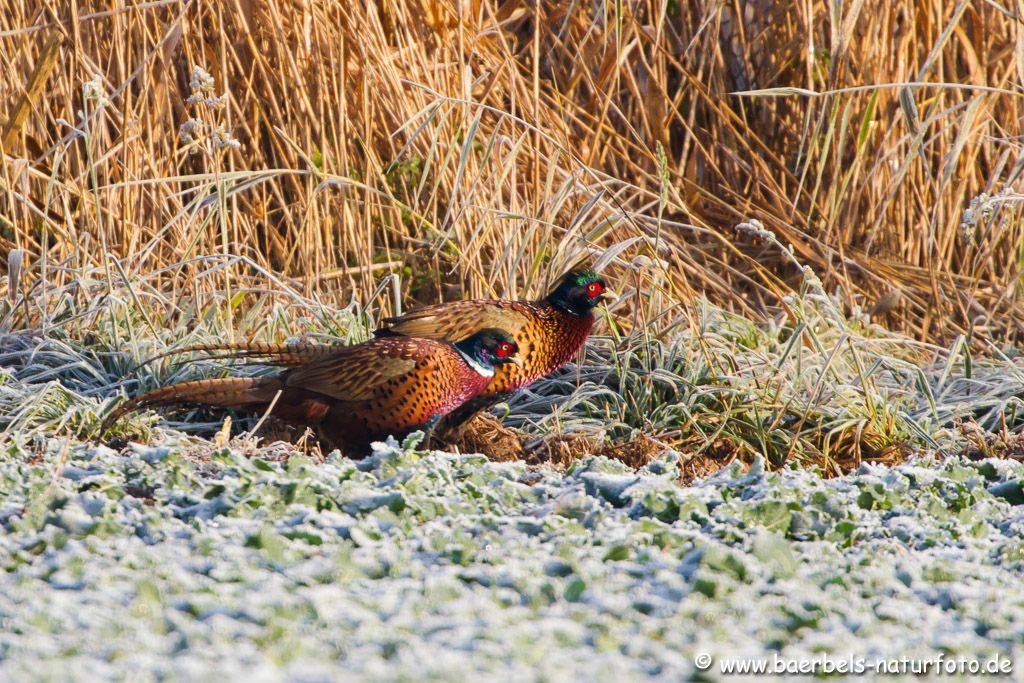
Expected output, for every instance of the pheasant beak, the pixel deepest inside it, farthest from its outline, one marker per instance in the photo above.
(609, 296)
(518, 360)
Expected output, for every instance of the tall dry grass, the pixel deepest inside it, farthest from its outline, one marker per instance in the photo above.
(477, 146)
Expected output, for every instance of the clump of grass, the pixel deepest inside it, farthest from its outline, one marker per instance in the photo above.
(814, 386)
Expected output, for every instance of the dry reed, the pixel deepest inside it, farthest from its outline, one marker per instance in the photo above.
(456, 145)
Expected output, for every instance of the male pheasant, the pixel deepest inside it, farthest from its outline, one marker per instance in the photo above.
(548, 332)
(353, 394)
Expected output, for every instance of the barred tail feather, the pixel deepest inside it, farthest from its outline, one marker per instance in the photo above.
(239, 392)
(284, 355)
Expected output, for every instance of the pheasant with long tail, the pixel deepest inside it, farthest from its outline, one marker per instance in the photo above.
(353, 394)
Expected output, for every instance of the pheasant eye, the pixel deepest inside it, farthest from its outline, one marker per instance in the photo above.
(594, 288)
(503, 349)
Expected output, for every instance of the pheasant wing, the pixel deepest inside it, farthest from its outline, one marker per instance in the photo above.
(457, 320)
(359, 373)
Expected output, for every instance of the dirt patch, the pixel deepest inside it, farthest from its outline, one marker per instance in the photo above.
(982, 443)
(486, 434)
(706, 462)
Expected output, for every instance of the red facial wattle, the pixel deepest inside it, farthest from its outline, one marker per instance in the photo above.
(594, 289)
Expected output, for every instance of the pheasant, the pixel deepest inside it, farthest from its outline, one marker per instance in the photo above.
(353, 394)
(549, 332)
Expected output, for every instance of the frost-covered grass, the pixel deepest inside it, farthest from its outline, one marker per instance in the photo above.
(154, 564)
(814, 383)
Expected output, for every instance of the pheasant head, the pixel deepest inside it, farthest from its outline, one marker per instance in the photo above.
(579, 291)
(487, 349)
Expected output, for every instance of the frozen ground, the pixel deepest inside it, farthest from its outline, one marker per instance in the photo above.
(410, 566)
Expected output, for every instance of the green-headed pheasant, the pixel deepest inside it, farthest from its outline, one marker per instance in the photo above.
(353, 394)
(549, 332)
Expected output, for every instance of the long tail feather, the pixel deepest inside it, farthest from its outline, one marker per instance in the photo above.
(238, 392)
(283, 355)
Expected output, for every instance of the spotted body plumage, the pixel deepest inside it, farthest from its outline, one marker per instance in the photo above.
(356, 394)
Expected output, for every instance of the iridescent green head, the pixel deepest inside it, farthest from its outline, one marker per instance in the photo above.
(579, 291)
